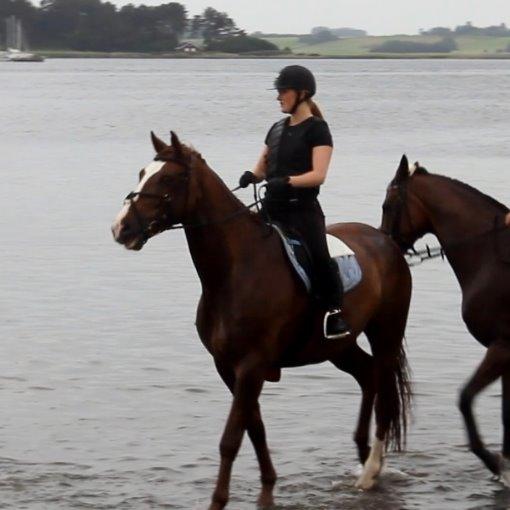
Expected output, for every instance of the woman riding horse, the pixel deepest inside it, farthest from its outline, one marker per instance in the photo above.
(295, 161)
(255, 316)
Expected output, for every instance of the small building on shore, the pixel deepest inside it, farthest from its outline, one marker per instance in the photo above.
(187, 47)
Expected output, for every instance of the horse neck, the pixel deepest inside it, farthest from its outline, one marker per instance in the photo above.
(226, 233)
(459, 218)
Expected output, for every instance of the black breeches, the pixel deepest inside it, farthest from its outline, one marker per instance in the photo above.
(307, 220)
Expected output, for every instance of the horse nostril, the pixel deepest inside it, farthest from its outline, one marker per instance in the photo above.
(121, 231)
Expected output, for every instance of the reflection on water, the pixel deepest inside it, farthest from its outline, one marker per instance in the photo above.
(108, 399)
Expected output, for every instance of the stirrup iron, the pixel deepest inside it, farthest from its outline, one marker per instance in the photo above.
(327, 315)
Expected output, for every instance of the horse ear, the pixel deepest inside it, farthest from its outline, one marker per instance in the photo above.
(403, 170)
(158, 144)
(176, 143)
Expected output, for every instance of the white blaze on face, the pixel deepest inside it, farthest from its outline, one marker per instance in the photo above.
(150, 170)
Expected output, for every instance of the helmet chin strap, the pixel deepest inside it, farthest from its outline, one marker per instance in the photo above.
(298, 101)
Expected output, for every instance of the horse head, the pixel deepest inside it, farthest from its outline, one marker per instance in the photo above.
(163, 198)
(403, 215)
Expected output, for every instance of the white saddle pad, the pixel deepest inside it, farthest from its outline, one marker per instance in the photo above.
(337, 248)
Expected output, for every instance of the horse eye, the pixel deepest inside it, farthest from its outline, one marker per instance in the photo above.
(141, 174)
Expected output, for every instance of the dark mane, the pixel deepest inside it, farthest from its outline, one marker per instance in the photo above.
(498, 205)
(420, 170)
(190, 154)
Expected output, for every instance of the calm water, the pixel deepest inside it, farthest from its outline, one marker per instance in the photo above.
(108, 400)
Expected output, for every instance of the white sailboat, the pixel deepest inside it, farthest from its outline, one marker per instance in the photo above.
(16, 43)
(15, 55)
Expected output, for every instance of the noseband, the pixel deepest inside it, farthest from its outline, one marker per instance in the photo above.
(145, 229)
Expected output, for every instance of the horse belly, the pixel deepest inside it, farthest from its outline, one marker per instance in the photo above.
(486, 319)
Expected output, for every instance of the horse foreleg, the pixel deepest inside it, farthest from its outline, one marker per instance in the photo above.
(505, 472)
(247, 387)
(257, 435)
(494, 364)
(359, 364)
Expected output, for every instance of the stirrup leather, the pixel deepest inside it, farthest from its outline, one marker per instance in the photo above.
(327, 315)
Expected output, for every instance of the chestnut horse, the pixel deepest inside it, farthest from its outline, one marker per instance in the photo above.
(470, 227)
(255, 316)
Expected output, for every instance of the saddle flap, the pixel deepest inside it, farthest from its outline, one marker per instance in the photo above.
(337, 248)
(350, 270)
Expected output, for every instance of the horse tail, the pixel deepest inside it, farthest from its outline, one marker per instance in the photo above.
(396, 395)
(392, 379)
(394, 385)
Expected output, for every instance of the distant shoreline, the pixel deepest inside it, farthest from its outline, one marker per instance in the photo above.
(291, 56)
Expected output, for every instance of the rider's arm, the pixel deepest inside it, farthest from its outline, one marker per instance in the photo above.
(321, 156)
(260, 168)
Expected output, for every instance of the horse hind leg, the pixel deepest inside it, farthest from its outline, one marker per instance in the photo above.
(495, 364)
(393, 394)
(505, 472)
(359, 364)
(373, 466)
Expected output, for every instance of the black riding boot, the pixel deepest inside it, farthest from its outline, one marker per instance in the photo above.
(334, 325)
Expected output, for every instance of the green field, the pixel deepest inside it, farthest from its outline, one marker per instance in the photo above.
(468, 46)
(357, 47)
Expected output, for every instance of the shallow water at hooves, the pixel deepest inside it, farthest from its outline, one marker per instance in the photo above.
(108, 400)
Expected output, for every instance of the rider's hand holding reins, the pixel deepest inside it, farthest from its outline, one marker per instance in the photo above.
(278, 185)
(247, 178)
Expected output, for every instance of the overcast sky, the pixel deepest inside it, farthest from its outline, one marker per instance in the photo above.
(375, 16)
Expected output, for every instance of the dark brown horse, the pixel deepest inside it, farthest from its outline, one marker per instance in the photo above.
(470, 227)
(255, 317)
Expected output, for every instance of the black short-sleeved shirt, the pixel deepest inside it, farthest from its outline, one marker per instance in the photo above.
(294, 155)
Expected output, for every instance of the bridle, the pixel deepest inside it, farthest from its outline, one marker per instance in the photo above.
(401, 210)
(146, 229)
(164, 222)
(416, 257)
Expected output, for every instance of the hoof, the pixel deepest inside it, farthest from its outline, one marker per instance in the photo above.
(368, 478)
(265, 502)
(266, 499)
(493, 461)
(505, 471)
(217, 505)
(365, 484)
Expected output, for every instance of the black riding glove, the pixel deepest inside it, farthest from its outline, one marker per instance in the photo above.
(278, 185)
(246, 179)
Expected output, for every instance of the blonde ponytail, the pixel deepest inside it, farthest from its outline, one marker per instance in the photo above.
(316, 111)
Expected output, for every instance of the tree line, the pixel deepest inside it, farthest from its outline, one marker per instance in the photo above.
(94, 25)
(445, 45)
(468, 28)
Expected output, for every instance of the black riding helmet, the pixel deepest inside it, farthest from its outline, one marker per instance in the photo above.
(297, 78)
